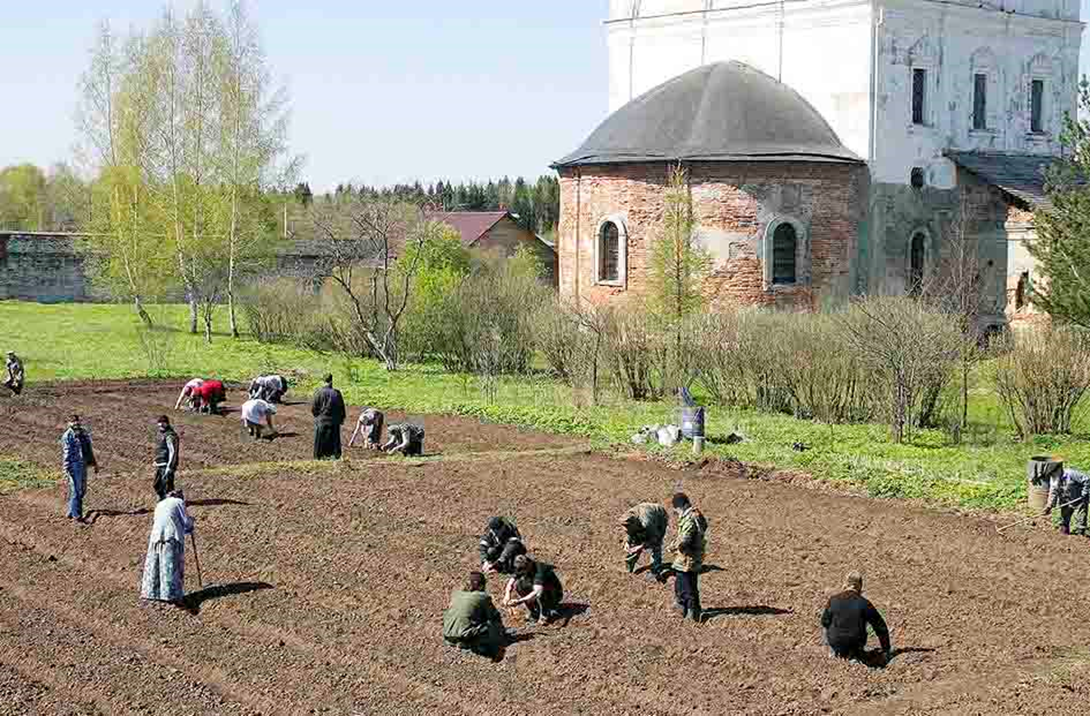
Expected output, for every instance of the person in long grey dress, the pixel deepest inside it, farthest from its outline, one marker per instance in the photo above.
(164, 567)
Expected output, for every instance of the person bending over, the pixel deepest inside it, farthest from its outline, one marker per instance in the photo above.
(405, 439)
(846, 618)
(536, 587)
(499, 546)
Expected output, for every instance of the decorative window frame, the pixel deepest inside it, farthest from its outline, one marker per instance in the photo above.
(923, 56)
(983, 62)
(802, 253)
(621, 222)
(1040, 68)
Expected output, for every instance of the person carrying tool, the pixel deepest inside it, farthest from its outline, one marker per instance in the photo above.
(499, 546)
(406, 439)
(255, 412)
(1070, 489)
(645, 529)
(77, 456)
(211, 394)
(328, 411)
(537, 587)
(845, 621)
(16, 374)
(166, 458)
(471, 621)
(370, 423)
(189, 391)
(164, 566)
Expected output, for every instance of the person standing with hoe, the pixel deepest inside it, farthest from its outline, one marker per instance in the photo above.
(329, 413)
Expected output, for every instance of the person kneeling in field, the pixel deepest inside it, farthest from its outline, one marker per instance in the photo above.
(500, 545)
(270, 388)
(537, 587)
(471, 621)
(16, 374)
(255, 412)
(190, 394)
(405, 439)
(211, 394)
(645, 529)
(846, 618)
(370, 423)
(1070, 489)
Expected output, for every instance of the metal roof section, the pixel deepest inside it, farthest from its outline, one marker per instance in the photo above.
(1023, 176)
(726, 111)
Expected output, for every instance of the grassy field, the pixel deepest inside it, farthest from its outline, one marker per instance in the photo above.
(65, 342)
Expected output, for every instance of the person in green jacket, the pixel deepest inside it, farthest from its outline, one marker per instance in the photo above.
(691, 540)
(471, 621)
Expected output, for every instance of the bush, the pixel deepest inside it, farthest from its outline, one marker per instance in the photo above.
(1042, 378)
(636, 351)
(560, 339)
(285, 311)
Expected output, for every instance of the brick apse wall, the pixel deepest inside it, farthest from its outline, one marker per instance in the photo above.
(733, 204)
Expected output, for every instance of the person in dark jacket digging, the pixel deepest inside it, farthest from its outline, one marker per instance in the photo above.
(166, 458)
(499, 546)
(645, 529)
(846, 618)
(328, 411)
(536, 586)
(1070, 489)
(471, 621)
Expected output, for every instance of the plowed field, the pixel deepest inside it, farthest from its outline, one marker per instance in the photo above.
(324, 584)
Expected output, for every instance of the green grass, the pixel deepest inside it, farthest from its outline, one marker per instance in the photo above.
(17, 475)
(986, 472)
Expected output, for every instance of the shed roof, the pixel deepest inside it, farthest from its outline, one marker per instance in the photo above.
(1020, 175)
(472, 225)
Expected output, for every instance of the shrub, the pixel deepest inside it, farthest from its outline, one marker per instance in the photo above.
(560, 338)
(286, 311)
(1042, 378)
(636, 351)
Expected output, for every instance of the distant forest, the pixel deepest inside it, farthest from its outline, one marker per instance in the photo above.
(536, 205)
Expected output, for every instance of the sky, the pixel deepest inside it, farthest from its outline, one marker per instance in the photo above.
(381, 91)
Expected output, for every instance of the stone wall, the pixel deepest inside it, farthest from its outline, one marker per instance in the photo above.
(42, 268)
(735, 204)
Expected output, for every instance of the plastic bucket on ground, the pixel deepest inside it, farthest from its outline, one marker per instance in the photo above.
(692, 421)
(1039, 471)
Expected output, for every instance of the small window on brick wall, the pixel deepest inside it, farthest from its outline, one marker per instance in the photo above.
(784, 247)
(609, 253)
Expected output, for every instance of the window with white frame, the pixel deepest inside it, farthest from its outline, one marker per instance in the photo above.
(785, 253)
(609, 250)
(983, 90)
(919, 96)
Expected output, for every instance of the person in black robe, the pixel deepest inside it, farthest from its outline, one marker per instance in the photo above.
(328, 411)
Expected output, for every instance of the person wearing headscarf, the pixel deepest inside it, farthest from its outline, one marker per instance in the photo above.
(406, 439)
(190, 393)
(16, 374)
(645, 530)
(270, 388)
(471, 621)
(256, 415)
(846, 618)
(77, 454)
(499, 546)
(370, 424)
(329, 413)
(211, 394)
(164, 567)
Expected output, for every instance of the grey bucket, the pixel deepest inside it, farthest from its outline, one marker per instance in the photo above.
(1039, 471)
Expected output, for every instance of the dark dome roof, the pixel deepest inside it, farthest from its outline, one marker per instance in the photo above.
(722, 112)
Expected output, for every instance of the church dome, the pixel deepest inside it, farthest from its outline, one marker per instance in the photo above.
(721, 112)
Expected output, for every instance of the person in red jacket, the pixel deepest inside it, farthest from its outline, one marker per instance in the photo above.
(211, 394)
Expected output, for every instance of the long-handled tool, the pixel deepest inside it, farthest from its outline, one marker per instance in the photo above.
(1033, 517)
(196, 559)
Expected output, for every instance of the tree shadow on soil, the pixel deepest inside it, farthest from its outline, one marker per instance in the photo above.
(92, 516)
(193, 601)
(214, 502)
(876, 659)
(760, 610)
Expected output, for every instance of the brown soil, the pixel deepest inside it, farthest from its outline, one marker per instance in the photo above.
(325, 585)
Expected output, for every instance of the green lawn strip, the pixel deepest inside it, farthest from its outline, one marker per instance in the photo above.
(16, 474)
(80, 341)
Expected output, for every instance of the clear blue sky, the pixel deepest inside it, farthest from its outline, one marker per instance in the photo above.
(381, 91)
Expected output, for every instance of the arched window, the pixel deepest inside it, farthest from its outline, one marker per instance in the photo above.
(609, 253)
(1021, 290)
(784, 246)
(915, 263)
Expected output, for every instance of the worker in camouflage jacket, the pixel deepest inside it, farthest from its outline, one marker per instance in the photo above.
(472, 621)
(691, 541)
(1070, 489)
(645, 530)
(16, 375)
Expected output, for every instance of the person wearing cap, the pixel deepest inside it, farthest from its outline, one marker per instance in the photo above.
(1070, 489)
(164, 567)
(329, 413)
(535, 586)
(189, 390)
(370, 424)
(166, 458)
(690, 544)
(16, 374)
(256, 411)
(405, 438)
(499, 546)
(645, 530)
(77, 456)
(471, 621)
(846, 618)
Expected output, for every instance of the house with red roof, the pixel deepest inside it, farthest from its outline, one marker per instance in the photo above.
(498, 233)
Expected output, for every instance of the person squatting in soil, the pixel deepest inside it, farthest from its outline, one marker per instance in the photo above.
(645, 530)
(270, 388)
(846, 618)
(537, 587)
(689, 546)
(77, 456)
(166, 458)
(190, 395)
(370, 425)
(211, 394)
(16, 374)
(499, 546)
(255, 412)
(1070, 489)
(406, 439)
(328, 411)
(471, 621)
(164, 567)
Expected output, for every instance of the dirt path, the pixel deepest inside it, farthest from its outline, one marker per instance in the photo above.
(325, 586)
